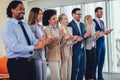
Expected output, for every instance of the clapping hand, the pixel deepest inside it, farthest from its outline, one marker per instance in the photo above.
(75, 37)
(39, 45)
(87, 34)
(62, 32)
(79, 38)
(108, 31)
(67, 36)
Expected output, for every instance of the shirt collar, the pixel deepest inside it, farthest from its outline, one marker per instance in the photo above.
(77, 22)
(52, 26)
(15, 20)
(98, 19)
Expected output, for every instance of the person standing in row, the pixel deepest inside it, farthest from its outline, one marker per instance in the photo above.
(100, 43)
(20, 43)
(79, 56)
(90, 46)
(35, 17)
(53, 53)
(66, 47)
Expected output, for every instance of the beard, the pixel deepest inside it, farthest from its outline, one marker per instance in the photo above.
(99, 16)
(20, 16)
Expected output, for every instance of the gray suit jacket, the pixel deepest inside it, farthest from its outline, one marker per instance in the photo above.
(38, 54)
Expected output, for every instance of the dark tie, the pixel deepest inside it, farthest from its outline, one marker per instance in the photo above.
(25, 33)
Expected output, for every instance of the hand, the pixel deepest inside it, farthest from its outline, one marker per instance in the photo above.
(43, 39)
(79, 38)
(62, 32)
(75, 38)
(39, 45)
(88, 34)
(48, 40)
(67, 36)
(108, 31)
(97, 33)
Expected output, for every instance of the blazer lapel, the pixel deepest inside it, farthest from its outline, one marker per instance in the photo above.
(81, 27)
(76, 27)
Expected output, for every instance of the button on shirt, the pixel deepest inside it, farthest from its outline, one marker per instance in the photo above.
(14, 39)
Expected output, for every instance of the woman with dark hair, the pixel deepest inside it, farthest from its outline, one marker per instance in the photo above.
(53, 54)
(35, 17)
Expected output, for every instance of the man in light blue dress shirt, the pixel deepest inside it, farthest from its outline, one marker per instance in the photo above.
(20, 61)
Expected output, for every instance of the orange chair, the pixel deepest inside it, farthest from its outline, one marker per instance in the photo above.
(3, 68)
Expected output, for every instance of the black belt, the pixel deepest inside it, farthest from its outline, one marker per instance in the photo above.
(22, 58)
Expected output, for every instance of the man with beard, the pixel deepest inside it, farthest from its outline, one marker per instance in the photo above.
(20, 43)
(79, 56)
(100, 43)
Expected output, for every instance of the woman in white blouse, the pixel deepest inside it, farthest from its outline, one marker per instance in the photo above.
(91, 47)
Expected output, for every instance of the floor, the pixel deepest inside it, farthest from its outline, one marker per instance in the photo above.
(107, 76)
(111, 76)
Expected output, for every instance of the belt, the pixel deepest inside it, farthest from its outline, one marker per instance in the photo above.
(22, 58)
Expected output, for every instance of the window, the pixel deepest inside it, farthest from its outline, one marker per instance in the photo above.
(68, 9)
(114, 23)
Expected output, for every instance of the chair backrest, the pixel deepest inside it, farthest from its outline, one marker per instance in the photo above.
(3, 65)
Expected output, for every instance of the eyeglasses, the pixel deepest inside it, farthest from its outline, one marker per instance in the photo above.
(78, 14)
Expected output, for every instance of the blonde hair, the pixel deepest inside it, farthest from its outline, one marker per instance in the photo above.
(60, 17)
(86, 20)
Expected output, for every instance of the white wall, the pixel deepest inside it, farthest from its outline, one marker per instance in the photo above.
(55, 3)
(3, 19)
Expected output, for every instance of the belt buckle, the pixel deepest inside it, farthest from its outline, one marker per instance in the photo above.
(30, 58)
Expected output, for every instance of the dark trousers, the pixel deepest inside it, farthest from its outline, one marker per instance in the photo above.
(100, 57)
(21, 69)
(78, 65)
(90, 64)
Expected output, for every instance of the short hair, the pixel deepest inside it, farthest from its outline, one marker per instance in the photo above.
(98, 8)
(12, 5)
(74, 10)
(33, 15)
(47, 15)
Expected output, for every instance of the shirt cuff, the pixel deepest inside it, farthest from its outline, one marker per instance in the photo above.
(31, 48)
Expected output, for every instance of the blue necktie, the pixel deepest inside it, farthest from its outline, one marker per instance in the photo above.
(25, 34)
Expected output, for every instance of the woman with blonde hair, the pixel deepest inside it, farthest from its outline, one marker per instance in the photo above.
(67, 41)
(91, 47)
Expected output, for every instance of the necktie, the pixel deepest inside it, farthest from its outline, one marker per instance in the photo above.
(101, 24)
(25, 34)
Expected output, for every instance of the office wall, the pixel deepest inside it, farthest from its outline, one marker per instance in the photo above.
(54, 3)
(3, 19)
